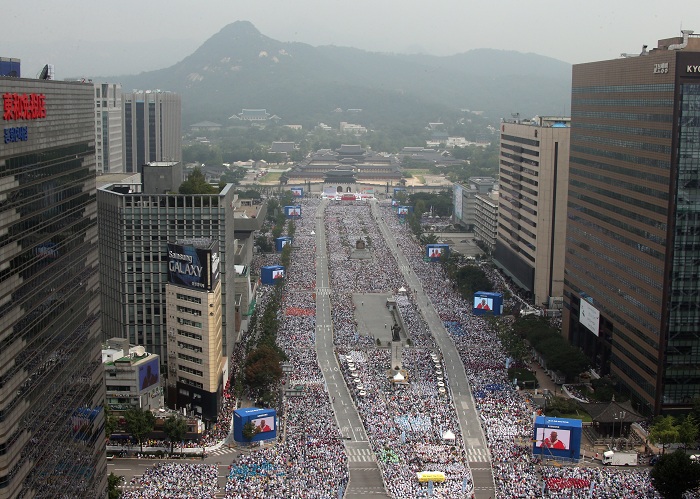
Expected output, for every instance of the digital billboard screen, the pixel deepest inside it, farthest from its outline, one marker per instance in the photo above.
(483, 303)
(193, 267)
(278, 274)
(297, 191)
(551, 438)
(402, 210)
(435, 252)
(149, 374)
(264, 424)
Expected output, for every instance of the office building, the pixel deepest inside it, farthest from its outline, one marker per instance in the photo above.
(137, 222)
(486, 220)
(633, 235)
(193, 305)
(152, 122)
(533, 180)
(51, 377)
(108, 128)
(132, 376)
(464, 199)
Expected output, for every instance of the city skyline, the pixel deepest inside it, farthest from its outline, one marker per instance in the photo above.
(109, 36)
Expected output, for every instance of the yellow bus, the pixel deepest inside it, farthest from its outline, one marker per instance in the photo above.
(430, 476)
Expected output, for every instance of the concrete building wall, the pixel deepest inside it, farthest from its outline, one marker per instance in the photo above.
(534, 165)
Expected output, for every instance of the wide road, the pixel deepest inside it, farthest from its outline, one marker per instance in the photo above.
(474, 441)
(365, 477)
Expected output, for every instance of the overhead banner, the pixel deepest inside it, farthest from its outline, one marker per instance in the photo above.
(589, 316)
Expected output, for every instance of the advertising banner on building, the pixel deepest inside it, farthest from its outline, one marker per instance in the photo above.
(193, 267)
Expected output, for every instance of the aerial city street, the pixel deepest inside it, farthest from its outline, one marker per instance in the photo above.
(309, 250)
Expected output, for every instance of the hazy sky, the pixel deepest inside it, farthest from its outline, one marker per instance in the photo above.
(91, 38)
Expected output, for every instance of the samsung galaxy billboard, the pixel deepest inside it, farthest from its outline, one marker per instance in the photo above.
(193, 267)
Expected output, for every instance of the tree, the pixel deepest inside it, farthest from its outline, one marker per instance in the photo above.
(113, 482)
(688, 431)
(139, 423)
(250, 430)
(111, 421)
(675, 474)
(197, 184)
(664, 431)
(175, 428)
(263, 369)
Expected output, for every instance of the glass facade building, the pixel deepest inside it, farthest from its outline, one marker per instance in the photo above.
(633, 233)
(152, 123)
(51, 377)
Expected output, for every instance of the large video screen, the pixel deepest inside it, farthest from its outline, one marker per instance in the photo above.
(278, 274)
(149, 374)
(435, 252)
(483, 303)
(551, 438)
(264, 424)
(402, 210)
(294, 211)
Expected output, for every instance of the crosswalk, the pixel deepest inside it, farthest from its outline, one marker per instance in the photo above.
(222, 451)
(360, 455)
(477, 456)
(323, 291)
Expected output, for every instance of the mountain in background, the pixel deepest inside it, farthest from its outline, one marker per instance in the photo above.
(241, 68)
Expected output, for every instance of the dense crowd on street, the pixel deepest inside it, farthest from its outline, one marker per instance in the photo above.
(505, 413)
(411, 423)
(406, 421)
(308, 461)
(175, 481)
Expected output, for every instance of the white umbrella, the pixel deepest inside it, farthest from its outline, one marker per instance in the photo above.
(448, 435)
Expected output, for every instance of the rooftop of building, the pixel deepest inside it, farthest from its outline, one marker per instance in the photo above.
(198, 242)
(541, 121)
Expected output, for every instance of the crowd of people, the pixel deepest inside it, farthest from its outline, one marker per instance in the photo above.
(308, 460)
(411, 423)
(504, 411)
(405, 420)
(175, 481)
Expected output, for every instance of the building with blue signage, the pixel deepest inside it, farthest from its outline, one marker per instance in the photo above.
(194, 315)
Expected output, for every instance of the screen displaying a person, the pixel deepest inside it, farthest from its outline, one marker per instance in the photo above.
(553, 442)
(150, 378)
(485, 306)
(263, 425)
(277, 274)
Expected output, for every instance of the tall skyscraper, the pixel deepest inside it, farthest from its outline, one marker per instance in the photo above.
(152, 128)
(51, 378)
(108, 128)
(533, 176)
(632, 281)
